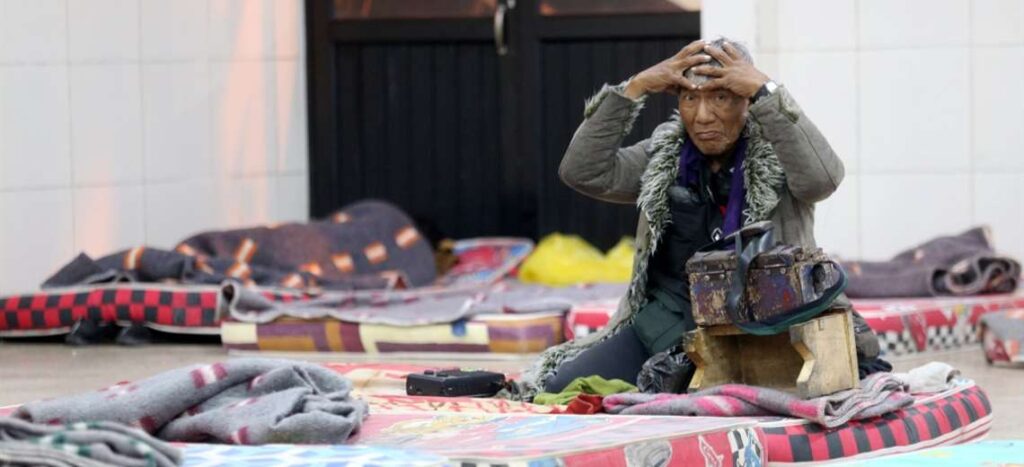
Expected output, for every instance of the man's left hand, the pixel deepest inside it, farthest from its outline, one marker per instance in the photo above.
(736, 75)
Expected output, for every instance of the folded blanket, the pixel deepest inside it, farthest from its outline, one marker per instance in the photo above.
(412, 307)
(964, 264)
(94, 443)
(879, 394)
(367, 245)
(245, 401)
(25, 453)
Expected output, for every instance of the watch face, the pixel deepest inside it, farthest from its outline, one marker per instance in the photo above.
(771, 86)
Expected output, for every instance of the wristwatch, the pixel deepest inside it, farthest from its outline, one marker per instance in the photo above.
(767, 89)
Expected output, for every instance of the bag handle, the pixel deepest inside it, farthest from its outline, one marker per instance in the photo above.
(757, 243)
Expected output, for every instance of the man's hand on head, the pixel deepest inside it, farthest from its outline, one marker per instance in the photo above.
(667, 76)
(735, 75)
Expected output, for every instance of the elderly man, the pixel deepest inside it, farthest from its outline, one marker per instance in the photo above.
(740, 151)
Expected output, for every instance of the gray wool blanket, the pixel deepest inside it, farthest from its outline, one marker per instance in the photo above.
(244, 401)
(81, 444)
(412, 307)
(964, 264)
(878, 394)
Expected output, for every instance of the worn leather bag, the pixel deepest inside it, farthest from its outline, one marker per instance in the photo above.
(761, 287)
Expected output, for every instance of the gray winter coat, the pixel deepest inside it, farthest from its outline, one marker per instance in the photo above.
(789, 167)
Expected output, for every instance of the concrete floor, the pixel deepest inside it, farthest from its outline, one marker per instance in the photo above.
(36, 370)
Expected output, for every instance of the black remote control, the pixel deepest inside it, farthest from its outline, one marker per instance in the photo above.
(454, 383)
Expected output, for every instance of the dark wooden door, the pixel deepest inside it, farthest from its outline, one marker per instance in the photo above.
(459, 111)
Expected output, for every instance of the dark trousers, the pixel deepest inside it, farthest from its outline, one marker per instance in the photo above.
(618, 357)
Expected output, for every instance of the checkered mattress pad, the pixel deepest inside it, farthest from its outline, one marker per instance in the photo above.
(183, 309)
(903, 326)
(955, 416)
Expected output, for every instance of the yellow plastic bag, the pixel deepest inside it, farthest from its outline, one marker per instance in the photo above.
(561, 260)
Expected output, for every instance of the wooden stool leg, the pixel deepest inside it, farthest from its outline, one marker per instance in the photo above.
(829, 351)
(717, 360)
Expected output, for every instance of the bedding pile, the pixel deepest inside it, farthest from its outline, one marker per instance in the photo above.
(242, 401)
(411, 430)
(82, 444)
(960, 265)
(367, 245)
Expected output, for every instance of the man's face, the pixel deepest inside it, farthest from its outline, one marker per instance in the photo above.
(713, 119)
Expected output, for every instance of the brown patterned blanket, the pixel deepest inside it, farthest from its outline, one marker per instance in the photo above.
(367, 245)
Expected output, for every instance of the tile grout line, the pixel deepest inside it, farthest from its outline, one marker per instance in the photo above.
(212, 165)
(271, 69)
(859, 215)
(273, 60)
(71, 126)
(971, 163)
(142, 131)
(122, 61)
(885, 48)
(153, 182)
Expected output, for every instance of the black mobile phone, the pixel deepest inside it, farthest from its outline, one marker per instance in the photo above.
(454, 383)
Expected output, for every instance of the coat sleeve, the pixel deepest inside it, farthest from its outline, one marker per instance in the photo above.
(595, 164)
(813, 170)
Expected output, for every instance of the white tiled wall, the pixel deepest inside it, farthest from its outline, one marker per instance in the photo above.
(127, 122)
(923, 100)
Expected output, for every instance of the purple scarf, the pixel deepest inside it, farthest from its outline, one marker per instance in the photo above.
(690, 159)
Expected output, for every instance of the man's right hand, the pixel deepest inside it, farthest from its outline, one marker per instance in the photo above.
(667, 76)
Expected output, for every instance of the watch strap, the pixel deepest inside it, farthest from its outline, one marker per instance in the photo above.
(767, 89)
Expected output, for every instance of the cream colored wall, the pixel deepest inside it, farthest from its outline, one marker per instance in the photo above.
(128, 122)
(923, 99)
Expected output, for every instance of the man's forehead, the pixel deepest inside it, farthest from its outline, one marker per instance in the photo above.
(703, 92)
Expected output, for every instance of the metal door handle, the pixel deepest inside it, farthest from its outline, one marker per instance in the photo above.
(499, 29)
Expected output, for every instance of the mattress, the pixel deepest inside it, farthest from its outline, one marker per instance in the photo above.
(291, 455)
(408, 430)
(487, 440)
(569, 440)
(903, 326)
(1002, 334)
(589, 317)
(181, 309)
(498, 333)
(955, 416)
(909, 326)
(498, 432)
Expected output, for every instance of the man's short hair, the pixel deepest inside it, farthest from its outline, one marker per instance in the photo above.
(718, 43)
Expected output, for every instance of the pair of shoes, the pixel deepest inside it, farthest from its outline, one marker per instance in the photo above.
(91, 331)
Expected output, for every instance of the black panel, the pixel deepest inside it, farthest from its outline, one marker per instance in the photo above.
(418, 126)
(426, 115)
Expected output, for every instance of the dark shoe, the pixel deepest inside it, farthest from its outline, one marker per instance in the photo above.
(135, 335)
(90, 331)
